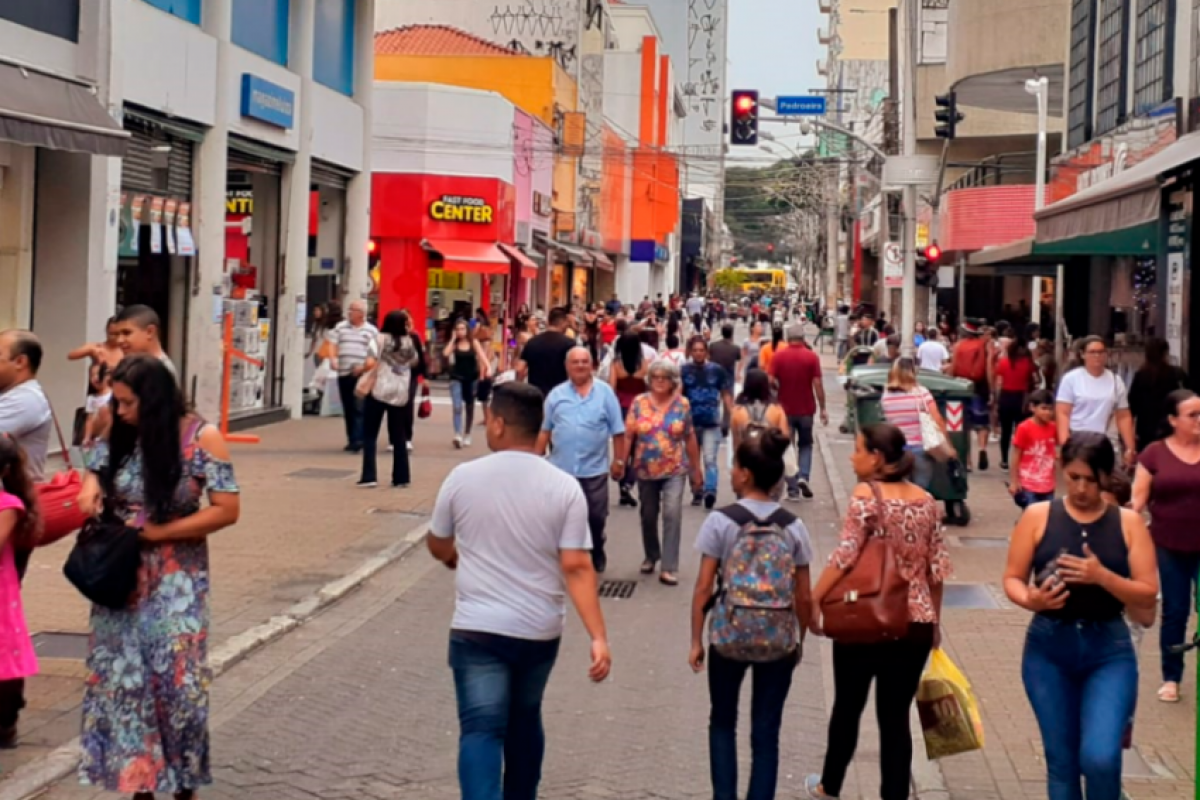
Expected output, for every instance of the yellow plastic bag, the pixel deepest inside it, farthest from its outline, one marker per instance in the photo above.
(949, 713)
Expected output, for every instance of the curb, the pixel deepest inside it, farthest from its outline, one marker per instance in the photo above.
(38, 776)
(927, 780)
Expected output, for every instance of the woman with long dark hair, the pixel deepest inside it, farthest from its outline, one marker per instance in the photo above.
(757, 408)
(1154, 381)
(1015, 374)
(419, 374)
(627, 375)
(145, 703)
(468, 365)
(394, 357)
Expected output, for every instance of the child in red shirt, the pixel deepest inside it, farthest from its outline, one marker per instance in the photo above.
(1032, 478)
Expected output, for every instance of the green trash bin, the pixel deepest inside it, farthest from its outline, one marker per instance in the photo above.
(953, 396)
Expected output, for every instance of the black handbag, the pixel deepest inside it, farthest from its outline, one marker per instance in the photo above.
(103, 564)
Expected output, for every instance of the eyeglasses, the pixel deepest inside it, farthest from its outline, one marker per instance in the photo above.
(660, 377)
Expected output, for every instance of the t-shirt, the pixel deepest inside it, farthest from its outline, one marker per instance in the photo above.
(903, 409)
(1015, 377)
(1037, 444)
(719, 533)
(932, 355)
(353, 344)
(703, 385)
(695, 306)
(727, 354)
(608, 332)
(841, 327)
(95, 402)
(546, 355)
(796, 368)
(1172, 498)
(25, 416)
(509, 579)
(1093, 400)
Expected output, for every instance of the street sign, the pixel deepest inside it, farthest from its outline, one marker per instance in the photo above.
(893, 266)
(802, 105)
(910, 171)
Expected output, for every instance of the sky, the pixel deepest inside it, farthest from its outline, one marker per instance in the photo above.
(773, 48)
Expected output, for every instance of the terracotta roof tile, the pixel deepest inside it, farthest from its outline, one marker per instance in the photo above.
(435, 40)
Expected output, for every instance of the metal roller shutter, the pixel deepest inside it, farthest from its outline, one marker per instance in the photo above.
(326, 174)
(174, 174)
(251, 156)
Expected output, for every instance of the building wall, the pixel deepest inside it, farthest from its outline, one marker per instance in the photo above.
(172, 64)
(863, 29)
(989, 37)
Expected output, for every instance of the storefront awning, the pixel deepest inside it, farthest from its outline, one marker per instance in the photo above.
(1131, 199)
(529, 270)
(460, 256)
(602, 261)
(1013, 251)
(576, 255)
(44, 111)
(1138, 240)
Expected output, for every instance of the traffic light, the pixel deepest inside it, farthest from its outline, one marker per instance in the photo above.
(744, 119)
(928, 260)
(372, 253)
(947, 116)
(770, 250)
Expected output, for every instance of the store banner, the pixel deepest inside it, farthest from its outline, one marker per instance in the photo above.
(169, 223)
(156, 213)
(131, 225)
(183, 231)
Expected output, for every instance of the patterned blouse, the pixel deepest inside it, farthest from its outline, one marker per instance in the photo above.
(660, 446)
(915, 530)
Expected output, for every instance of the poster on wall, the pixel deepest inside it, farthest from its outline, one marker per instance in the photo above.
(131, 225)
(169, 223)
(156, 212)
(183, 230)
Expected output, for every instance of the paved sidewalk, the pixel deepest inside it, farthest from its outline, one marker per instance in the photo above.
(303, 525)
(984, 634)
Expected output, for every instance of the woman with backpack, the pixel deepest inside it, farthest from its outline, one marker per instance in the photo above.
(754, 554)
(884, 504)
(393, 360)
(756, 408)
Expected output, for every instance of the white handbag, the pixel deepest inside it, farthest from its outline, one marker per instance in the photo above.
(933, 441)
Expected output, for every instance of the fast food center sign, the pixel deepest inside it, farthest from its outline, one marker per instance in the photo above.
(456, 208)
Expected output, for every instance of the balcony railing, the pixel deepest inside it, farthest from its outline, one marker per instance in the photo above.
(997, 170)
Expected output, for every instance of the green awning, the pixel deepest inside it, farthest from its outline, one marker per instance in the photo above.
(1139, 240)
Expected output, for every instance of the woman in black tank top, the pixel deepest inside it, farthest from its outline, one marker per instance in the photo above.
(1078, 563)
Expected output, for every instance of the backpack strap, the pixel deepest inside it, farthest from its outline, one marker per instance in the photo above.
(782, 517)
(738, 513)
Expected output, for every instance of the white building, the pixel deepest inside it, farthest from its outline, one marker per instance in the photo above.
(243, 134)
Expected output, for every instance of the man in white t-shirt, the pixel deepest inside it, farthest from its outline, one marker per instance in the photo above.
(932, 354)
(1091, 397)
(516, 562)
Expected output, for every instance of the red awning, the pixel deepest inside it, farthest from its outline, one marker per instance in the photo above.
(529, 270)
(460, 256)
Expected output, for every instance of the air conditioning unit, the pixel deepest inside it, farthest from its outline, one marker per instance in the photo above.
(824, 36)
(826, 6)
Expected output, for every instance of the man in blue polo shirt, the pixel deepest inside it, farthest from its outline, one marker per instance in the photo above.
(582, 416)
(708, 388)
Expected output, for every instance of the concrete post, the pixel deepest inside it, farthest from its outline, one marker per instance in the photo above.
(358, 194)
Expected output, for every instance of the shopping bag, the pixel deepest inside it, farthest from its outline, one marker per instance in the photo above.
(949, 713)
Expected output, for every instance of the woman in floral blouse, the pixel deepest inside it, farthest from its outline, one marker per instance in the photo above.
(145, 705)
(911, 521)
(659, 432)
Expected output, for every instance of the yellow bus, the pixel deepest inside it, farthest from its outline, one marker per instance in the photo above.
(764, 280)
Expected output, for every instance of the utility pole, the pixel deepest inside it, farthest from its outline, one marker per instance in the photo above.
(908, 76)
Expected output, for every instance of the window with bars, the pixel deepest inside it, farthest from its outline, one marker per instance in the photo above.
(1079, 97)
(1152, 63)
(1110, 73)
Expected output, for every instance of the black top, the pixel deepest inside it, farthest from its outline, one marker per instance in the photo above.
(1146, 395)
(546, 355)
(1106, 540)
(725, 353)
(466, 365)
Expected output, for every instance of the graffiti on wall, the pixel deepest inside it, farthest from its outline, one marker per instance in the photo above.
(704, 86)
(540, 28)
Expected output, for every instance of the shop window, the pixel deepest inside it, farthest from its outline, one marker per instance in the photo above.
(333, 45)
(1079, 122)
(261, 26)
(56, 17)
(1110, 77)
(1152, 56)
(184, 9)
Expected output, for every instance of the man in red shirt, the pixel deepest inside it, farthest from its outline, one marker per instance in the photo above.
(797, 371)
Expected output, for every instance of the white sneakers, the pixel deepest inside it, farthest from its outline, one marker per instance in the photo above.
(467, 442)
(458, 441)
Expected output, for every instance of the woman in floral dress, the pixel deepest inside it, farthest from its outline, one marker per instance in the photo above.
(145, 705)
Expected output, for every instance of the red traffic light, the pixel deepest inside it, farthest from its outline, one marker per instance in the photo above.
(933, 253)
(372, 247)
(744, 103)
(770, 248)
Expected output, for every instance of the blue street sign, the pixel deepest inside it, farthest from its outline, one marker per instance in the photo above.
(802, 105)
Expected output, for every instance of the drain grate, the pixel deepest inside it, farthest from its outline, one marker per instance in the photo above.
(73, 646)
(617, 590)
(969, 595)
(319, 473)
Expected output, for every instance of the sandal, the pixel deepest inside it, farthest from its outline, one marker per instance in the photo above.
(648, 567)
(668, 579)
(1169, 692)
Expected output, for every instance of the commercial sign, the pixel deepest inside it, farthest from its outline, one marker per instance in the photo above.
(268, 102)
(453, 208)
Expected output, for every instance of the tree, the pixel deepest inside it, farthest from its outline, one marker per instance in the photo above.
(727, 280)
(776, 205)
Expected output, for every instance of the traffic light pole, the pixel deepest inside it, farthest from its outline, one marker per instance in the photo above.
(908, 293)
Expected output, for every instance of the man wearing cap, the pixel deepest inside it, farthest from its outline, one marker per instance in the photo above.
(973, 360)
(797, 370)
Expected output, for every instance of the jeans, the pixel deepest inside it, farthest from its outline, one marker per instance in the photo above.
(771, 683)
(896, 668)
(1081, 676)
(665, 495)
(499, 682)
(351, 410)
(802, 436)
(462, 394)
(843, 347)
(1026, 498)
(1011, 411)
(1177, 572)
(922, 474)
(408, 414)
(595, 491)
(373, 414)
(710, 451)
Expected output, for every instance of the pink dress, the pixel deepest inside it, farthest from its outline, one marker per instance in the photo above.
(17, 656)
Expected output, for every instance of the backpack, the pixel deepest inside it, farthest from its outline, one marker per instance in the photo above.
(754, 617)
(970, 360)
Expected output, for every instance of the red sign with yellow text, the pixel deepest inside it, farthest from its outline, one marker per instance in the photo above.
(409, 206)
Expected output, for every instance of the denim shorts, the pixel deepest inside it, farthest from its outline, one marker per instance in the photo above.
(1026, 498)
(979, 414)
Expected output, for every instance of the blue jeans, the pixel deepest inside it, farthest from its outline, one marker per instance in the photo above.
(463, 396)
(351, 410)
(1177, 576)
(499, 682)
(922, 474)
(802, 436)
(709, 440)
(771, 683)
(1081, 676)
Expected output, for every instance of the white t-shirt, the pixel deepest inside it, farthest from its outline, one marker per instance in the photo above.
(1093, 400)
(95, 402)
(509, 579)
(695, 305)
(932, 355)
